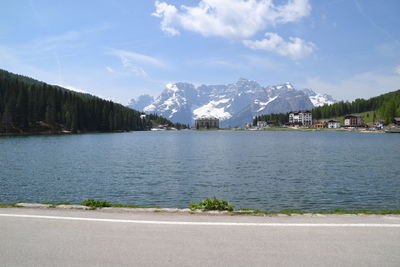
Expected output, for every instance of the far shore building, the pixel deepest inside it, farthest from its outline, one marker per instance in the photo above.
(379, 124)
(248, 125)
(397, 121)
(207, 123)
(302, 118)
(320, 124)
(333, 124)
(262, 124)
(353, 121)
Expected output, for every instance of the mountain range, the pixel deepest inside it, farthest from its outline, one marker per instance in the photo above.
(234, 104)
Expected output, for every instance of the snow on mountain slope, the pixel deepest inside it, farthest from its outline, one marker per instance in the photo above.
(234, 104)
(213, 109)
(263, 104)
(318, 99)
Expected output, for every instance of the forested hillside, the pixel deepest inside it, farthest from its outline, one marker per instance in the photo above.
(277, 119)
(386, 107)
(30, 106)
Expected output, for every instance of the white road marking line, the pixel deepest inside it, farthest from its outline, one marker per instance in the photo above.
(205, 223)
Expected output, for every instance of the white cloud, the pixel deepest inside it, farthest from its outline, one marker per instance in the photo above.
(132, 62)
(69, 39)
(362, 85)
(132, 56)
(109, 69)
(237, 19)
(397, 69)
(138, 71)
(168, 14)
(296, 48)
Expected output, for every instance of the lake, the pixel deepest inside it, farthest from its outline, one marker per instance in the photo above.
(253, 169)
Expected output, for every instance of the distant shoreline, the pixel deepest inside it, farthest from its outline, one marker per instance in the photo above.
(62, 133)
(272, 129)
(286, 129)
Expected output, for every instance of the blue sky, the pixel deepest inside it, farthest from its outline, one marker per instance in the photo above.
(122, 49)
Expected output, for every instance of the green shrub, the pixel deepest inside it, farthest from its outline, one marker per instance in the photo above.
(212, 204)
(90, 202)
(63, 203)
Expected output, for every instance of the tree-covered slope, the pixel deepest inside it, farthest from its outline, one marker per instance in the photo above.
(386, 107)
(31, 106)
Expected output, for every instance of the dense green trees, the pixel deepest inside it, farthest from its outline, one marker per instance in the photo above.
(277, 119)
(27, 105)
(386, 106)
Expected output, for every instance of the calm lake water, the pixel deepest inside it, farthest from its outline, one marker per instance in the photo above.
(265, 170)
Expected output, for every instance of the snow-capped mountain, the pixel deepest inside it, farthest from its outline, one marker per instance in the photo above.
(234, 104)
(318, 99)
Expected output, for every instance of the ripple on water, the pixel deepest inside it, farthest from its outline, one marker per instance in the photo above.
(264, 170)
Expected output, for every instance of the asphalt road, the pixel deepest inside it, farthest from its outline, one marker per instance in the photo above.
(53, 237)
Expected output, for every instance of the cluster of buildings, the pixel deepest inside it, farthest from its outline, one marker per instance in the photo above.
(349, 121)
(304, 118)
(299, 118)
(260, 125)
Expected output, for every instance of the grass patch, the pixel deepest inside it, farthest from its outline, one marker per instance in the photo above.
(344, 211)
(55, 204)
(8, 205)
(251, 212)
(124, 206)
(219, 205)
(63, 203)
(212, 204)
(292, 212)
(90, 202)
(244, 211)
(335, 211)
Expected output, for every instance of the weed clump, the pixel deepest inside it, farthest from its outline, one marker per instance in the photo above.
(90, 202)
(212, 204)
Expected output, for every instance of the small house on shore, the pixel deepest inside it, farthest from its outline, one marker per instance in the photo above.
(320, 124)
(397, 121)
(379, 124)
(207, 123)
(353, 121)
(333, 124)
(262, 124)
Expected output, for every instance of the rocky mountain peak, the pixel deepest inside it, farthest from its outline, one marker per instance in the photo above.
(234, 104)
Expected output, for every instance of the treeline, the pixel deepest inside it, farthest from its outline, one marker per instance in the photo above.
(387, 106)
(155, 120)
(277, 119)
(27, 105)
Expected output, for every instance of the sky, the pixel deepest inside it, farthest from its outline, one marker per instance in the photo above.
(119, 49)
